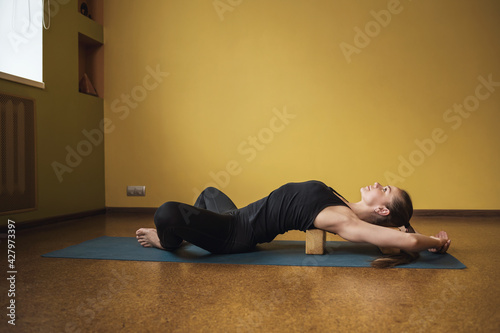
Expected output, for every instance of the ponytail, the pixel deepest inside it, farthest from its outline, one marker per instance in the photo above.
(389, 261)
(401, 211)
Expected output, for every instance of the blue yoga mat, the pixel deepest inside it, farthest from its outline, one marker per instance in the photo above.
(283, 253)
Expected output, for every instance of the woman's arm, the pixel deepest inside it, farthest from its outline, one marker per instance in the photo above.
(342, 221)
(444, 248)
(441, 234)
(392, 250)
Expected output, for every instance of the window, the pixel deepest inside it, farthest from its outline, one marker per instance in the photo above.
(21, 41)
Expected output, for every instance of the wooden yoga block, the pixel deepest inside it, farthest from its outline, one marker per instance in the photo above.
(315, 241)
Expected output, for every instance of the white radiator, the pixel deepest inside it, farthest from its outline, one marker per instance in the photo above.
(17, 152)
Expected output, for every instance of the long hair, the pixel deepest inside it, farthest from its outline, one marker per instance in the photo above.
(401, 211)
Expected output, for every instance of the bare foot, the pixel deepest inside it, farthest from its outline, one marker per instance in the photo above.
(148, 237)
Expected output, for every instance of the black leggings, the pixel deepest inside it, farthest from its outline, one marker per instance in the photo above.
(211, 224)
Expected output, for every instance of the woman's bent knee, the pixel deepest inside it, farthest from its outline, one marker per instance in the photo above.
(211, 192)
(166, 214)
(173, 213)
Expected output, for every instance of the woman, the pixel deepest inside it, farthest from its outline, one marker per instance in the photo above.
(215, 224)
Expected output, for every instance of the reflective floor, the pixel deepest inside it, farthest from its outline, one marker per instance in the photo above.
(73, 295)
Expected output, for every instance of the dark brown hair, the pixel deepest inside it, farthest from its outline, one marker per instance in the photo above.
(401, 211)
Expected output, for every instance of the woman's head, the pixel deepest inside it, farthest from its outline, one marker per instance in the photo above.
(390, 206)
(401, 211)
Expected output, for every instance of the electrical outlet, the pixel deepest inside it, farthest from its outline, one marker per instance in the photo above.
(136, 191)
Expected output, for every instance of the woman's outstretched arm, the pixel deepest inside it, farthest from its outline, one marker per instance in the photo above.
(444, 248)
(342, 221)
(441, 234)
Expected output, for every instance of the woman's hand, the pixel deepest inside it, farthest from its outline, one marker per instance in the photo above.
(443, 236)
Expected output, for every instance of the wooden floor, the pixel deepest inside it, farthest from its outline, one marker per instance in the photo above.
(70, 295)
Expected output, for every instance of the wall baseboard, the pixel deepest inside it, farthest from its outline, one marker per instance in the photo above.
(54, 219)
(139, 210)
(416, 213)
(432, 213)
(456, 213)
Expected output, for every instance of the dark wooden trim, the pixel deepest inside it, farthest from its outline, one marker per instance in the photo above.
(152, 210)
(456, 213)
(50, 220)
(142, 210)
(417, 212)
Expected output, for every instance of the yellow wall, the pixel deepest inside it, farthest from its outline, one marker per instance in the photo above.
(353, 117)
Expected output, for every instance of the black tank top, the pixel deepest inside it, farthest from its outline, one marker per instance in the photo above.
(293, 206)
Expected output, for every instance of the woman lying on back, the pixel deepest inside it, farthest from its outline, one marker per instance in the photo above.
(215, 224)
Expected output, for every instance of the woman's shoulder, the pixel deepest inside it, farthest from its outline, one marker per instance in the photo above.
(333, 215)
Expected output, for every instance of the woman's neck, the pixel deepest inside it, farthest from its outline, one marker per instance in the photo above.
(363, 212)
